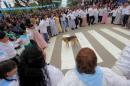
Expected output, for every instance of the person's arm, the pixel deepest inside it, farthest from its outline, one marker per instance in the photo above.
(55, 75)
(114, 79)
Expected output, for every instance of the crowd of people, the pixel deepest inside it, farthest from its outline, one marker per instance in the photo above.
(32, 31)
(120, 15)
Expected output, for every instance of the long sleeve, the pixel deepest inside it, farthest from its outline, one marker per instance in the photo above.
(55, 75)
(113, 79)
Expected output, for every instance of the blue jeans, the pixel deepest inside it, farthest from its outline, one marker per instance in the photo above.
(46, 37)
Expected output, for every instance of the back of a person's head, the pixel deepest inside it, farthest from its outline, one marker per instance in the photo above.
(33, 56)
(31, 67)
(2, 34)
(2, 26)
(86, 61)
(5, 67)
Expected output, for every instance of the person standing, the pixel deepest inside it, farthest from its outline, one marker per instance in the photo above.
(119, 16)
(75, 13)
(105, 15)
(48, 26)
(126, 13)
(100, 14)
(54, 28)
(79, 17)
(83, 16)
(63, 22)
(114, 13)
(91, 16)
(96, 13)
(71, 20)
(57, 22)
(43, 29)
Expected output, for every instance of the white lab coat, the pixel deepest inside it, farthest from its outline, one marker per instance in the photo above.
(109, 79)
(55, 75)
(43, 26)
(123, 63)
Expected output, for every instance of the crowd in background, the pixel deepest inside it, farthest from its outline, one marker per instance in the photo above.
(32, 31)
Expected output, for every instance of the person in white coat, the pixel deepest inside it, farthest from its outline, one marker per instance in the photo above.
(87, 73)
(96, 13)
(8, 75)
(122, 66)
(34, 71)
(71, 21)
(43, 29)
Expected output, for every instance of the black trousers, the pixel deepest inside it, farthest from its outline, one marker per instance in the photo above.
(125, 20)
(76, 22)
(99, 18)
(49, 31)
(91, 20)
(87, 17)
(81, 21)
(113, 19)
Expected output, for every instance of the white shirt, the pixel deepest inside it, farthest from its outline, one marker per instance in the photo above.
(100, 12)
(86, 11)
(123, 62)
(43, 26)
(63, 18)
(8, 50)
(96, 12)
(75, 13)
(126, 11)
(47, 22)
(78, 12)
(109, 79)
(55, 75)
(82, 14)
(71, 15)
(114, 12)
(90, 12)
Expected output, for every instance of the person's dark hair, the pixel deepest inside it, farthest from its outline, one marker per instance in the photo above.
(86, 61)
(32, 68)
(2, 27)
(22, 25)
(2, 34)
(5, 67)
